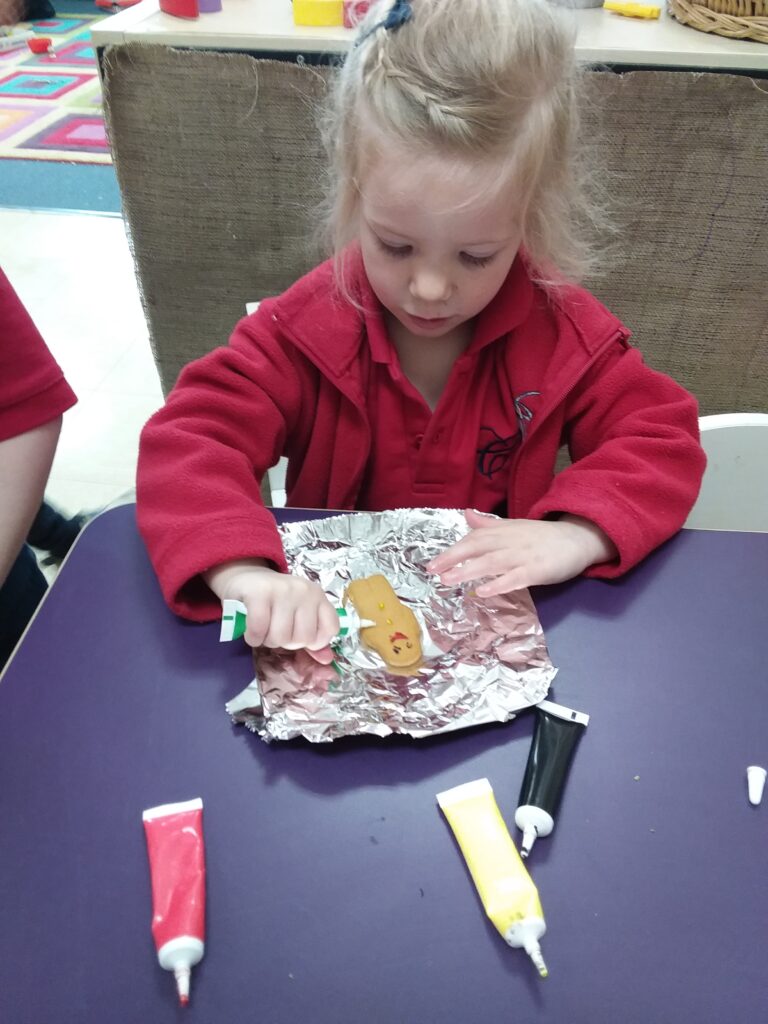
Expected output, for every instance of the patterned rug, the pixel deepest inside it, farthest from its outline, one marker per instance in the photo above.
(50, 107)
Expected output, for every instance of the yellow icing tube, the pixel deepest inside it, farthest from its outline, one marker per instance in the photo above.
(509, 896)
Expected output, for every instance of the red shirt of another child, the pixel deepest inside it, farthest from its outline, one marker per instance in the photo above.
(33, 390)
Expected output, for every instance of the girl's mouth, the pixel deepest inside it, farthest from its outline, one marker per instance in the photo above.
(429, 322)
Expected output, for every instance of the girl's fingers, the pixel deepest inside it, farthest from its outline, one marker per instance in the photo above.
(304, 626)
(258, 622)
(490, 534)
(516, 579)
(322, 625)
(471, 546)
(480, 520)
(291, 613)
(490, 564)
(327, 623)
(324, 655)
(280, 633)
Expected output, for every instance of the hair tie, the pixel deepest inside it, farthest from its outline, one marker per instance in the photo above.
(400, 13)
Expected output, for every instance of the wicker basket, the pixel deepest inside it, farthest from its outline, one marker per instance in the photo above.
(737, 19)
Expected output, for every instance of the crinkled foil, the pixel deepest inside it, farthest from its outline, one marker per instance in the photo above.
(485, 659)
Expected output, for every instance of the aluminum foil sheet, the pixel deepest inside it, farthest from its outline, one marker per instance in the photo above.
(484, 659)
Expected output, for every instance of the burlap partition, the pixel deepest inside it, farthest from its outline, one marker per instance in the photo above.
(220, 170)
(217, 157)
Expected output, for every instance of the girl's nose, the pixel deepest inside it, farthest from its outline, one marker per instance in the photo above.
(429, 285)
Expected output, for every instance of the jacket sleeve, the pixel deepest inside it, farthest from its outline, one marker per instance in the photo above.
(202, 458)
(633, 436)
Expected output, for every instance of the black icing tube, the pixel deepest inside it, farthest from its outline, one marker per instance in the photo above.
(555, 736)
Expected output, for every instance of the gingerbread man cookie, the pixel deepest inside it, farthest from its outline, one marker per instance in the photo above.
(396, 637)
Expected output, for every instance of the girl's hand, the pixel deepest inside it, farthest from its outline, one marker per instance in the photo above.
(282, 610)
(510, 554)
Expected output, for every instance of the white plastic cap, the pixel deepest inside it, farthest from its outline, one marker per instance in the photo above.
(182, 984)
(533, 949)
(532, 822)
(526, 933)
(529, 838)
(180, 955)
(755, 783)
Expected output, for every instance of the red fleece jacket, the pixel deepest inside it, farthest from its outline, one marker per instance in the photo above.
(292, 382)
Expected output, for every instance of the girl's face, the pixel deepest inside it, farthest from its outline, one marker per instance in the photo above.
(437, 239)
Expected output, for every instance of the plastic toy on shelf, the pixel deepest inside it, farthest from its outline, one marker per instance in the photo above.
(11, 38)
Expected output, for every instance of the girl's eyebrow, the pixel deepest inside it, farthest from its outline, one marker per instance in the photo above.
(379, 226)
(497, 242)
(385, 229)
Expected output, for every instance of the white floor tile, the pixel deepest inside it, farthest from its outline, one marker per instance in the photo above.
(134, 373)
(100, 437)
(73, 496)
(74, 273)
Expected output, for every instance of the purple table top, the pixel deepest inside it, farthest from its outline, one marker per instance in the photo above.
(335, 890)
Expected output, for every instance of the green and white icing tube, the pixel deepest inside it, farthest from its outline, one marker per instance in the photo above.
(233, 621)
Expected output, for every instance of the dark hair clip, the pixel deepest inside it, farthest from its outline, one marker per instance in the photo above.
(400, 13)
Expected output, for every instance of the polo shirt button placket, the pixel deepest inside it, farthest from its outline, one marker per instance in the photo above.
(417, 441)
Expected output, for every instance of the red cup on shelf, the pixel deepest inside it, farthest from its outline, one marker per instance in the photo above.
(181, 8)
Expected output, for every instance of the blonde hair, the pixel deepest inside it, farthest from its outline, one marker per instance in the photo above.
(486, 80)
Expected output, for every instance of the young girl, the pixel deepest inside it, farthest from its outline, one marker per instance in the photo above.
(441, 359)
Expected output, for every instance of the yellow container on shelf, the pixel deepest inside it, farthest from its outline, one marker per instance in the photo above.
(323, 13)
(632, 10)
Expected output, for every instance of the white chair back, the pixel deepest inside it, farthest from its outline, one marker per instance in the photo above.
(734, 493)
(273, 488)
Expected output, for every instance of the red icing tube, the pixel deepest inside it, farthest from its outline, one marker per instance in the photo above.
(177, 867)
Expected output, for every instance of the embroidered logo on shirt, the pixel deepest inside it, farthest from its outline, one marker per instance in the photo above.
(493, 457)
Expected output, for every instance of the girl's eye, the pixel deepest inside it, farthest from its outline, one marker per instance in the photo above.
(476, 261)
(398, 251)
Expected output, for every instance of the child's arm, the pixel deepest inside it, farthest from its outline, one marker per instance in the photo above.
(202, 458)
(282, 610)
(633, 436)
(637, 467)
(25, 461)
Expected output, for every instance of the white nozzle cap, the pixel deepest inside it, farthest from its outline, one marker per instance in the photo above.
(526, 933)
(532, 822)
(180, 955)
(533, 949)
(182, 984)
(755, 783)
(529, 838)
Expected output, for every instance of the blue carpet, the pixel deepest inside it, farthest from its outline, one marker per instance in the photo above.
(46, 185)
